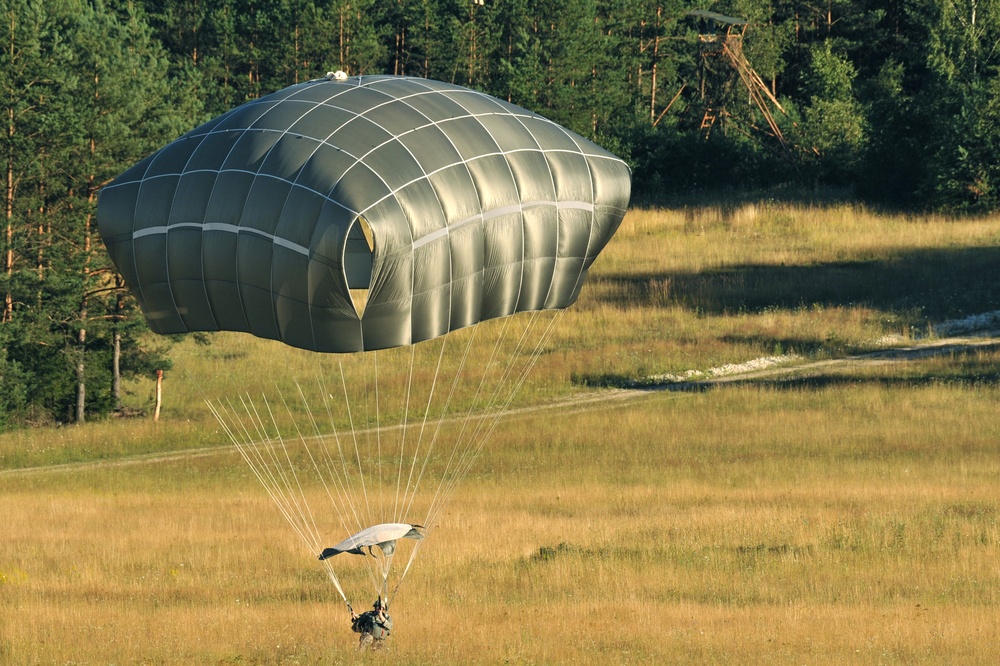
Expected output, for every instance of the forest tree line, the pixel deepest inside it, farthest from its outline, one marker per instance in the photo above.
(896, 101)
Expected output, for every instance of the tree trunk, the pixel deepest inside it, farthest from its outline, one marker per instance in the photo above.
(298, 54)
(81, 364)
(656, 56)
(8, 301)
(340, 41)
(81, 375)
(116, 372)
(116, 343)
(472, 43)
(427, 46)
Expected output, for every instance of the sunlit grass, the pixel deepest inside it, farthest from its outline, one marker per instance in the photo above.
(850, 516)
(700, 288)
(855, 521)
(677, 289)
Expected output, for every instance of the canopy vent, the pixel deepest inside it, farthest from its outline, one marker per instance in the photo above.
(358, 251)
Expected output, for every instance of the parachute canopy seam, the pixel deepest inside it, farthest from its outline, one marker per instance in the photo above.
(305, 251)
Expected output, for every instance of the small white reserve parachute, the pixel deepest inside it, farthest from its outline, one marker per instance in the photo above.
(384, 536)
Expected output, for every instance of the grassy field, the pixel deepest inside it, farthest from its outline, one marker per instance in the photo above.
(852, 517)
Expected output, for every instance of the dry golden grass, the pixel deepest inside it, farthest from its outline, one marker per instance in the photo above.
(853, 523)
(848, 518)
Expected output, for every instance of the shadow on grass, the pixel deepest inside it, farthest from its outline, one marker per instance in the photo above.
(978, 379)
(787, 345)
(957, 364)
(729, 198)
(917, 286)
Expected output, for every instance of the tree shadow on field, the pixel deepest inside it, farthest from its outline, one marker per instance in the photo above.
(917, 285)
(779, 345)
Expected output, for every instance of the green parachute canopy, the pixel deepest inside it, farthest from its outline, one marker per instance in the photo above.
(447, 206)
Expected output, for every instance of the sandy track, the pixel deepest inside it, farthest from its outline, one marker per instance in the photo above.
(938, 347)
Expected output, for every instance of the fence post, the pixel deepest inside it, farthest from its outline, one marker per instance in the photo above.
(159, 395)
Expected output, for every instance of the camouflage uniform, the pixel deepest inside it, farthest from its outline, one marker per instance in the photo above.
(374, 626)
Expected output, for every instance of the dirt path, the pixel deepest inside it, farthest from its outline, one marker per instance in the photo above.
(606, 398)
(921, 350)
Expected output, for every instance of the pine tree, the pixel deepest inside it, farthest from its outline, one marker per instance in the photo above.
(517, 59)
(360, 33)
(38, 83)
(416, 34)
(127, 112)
(86, 98)
(35, 74)
(833, 127)
(963, 101)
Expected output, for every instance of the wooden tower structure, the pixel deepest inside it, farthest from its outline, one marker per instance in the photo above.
(721, 39)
